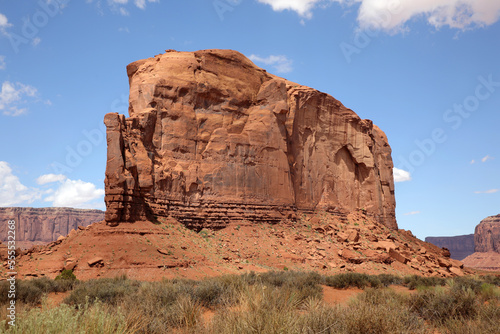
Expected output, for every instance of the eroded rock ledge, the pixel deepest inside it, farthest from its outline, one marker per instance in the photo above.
(212, 138)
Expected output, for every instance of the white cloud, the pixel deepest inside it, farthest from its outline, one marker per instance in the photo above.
(412, 213)
(4, 22)
(12, 191)
(280, 63)
(120, 6)
(11, 97)
(64, 193)
(490, 191)
(401, 175)
(486, 158)
(472, 161)
(36, 41)
(50, 178)
(391, 15)
(2, 63)
(302, 7)
(76, 194)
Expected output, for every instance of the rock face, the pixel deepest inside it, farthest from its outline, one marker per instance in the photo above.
(46, 224)
(212, 138)
(487, 235)
(460, 246)
(487, 245)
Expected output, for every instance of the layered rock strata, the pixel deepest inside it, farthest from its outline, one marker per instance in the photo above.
(460, 246)
(212, 138)
(45, 224)
(487, 235)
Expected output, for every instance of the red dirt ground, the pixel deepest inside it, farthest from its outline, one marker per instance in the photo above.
(322, 242)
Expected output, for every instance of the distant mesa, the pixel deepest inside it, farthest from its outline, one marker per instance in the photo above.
(460, 246)
(211, 139)
(487, 245)
(44, 225)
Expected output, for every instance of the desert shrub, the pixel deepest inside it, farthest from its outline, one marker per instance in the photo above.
(379, 311)
(439, 304)
(494, 280)
(297, 278)
(465, 283)
(387, 279)
(342, 281)
(157, 306)
(319, 318)
(95, 319)
(261, 309)
(415, 281)
(107, 290)
(66, 274)
(29, 292)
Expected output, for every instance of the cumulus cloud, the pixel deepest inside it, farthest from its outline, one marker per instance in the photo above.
(13, 96)
(76, 194)
(12, 191)
(392, 15)
(411, 213)
(302, 7)
(56, 188)
(401, 175)
(50, 178)
(490, 191)
(280, 63)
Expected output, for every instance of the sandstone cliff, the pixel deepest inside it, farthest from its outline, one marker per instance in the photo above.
(212, 138)
(45, 224)
(460, 246)
(487, 235)
(487, 245)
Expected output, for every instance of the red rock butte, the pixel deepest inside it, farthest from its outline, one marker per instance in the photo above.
(213, 139)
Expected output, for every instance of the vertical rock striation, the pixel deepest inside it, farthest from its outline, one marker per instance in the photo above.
(45, 224)
(487, 235)
(212, 138)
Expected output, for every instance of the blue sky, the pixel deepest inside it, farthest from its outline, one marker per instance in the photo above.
(426, 72)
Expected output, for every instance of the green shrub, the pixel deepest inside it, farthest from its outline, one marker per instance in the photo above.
(96, 319)
(107, 290)
(439, 304)
(343, 281)
(66, 274)
(415, 281)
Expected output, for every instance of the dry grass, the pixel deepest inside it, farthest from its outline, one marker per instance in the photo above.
(273, 302)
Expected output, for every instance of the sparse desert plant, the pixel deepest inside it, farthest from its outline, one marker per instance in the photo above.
(343, 281)
(107, 290)
(440, 304)
(89, 319)
(415, 281)
(379, 311)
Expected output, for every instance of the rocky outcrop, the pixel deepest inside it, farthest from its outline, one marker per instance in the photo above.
(45, 224)
(212, 138)
(487, 235)
(460, 246)
(487, 245)
(483, 261)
